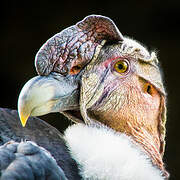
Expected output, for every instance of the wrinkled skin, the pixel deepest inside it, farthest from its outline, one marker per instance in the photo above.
(71, 49)
(121, 101)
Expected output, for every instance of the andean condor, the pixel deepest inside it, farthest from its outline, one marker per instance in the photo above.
(111, 87)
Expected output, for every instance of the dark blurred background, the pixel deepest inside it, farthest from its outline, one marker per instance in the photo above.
(26, 25)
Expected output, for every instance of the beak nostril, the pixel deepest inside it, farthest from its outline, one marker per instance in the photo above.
(75, 70)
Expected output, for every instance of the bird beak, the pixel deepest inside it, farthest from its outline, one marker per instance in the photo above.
(44, 94)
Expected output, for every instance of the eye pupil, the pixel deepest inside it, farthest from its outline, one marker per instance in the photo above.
(120, 66)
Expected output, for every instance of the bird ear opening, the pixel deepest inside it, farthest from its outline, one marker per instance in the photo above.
(76, 46)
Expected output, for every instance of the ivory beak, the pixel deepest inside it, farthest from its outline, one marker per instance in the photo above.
(45, 94)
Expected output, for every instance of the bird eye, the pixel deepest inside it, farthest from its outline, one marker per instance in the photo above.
(121, 66)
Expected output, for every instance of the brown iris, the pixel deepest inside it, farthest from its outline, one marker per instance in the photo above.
(121, 66)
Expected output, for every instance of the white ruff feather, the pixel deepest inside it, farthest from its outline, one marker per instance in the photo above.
(103, 154)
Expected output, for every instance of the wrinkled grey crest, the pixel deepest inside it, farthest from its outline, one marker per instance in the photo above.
(75, 45)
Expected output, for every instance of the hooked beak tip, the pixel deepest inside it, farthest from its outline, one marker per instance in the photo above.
(23, 118)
